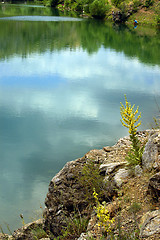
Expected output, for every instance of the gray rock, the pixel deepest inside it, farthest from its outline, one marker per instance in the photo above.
(28, 231)
(150, 155)
(154, 186)
(138, 171)
(83, 236)
(45, 239)
(121, 176)
(4, 236)
(150, 224)
(110, 167)
(57, 181)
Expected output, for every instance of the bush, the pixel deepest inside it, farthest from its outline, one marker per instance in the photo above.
(136, 4)
(117, 2)
(51, 3)
(76, 224)
(91, 179)
(148, 3)
(157, 11)
(98, 8)
(78, 6)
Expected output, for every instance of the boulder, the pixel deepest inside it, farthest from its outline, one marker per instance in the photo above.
(154, 186)
(121, 176)
(150, 224)
(151, 152)
(65, 196)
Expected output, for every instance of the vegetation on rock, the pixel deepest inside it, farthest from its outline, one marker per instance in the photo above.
(130, 120)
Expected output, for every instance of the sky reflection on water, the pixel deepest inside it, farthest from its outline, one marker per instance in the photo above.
(57, 105)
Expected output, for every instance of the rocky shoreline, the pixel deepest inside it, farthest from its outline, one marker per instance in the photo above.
(133, 194)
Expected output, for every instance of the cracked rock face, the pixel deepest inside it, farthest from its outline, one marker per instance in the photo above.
(151, 155)
(151, 224)
(64, 194)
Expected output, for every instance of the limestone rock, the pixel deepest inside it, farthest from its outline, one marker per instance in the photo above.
(138, 170)
(154, 186)
(121, 176)
(30, 230)
(152, 149)
(83, 236)
(97, 155)
(4, 236)
(150, 224)
(62, 199)
(110, 167)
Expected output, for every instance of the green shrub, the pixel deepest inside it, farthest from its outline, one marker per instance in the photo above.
(38, 233)
(91, 179)
(117, 2)
(67, 3)
(76, 224)
(51, 3)
(136, 4)
(157, 11)
(98, 8)
(78, 6)
(54, 3)
(149, 3)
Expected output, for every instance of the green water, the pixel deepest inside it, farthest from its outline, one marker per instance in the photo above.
(62, 79)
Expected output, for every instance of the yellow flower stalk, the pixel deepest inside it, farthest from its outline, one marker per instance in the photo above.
(103, 215)
(128, 115)
(130, 121)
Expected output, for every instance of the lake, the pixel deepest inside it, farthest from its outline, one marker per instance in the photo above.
(62, 79)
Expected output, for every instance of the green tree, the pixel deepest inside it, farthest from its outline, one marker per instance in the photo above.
(98, 8)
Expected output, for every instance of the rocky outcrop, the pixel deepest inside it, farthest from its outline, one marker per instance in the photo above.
(66, 197)
(6, 236)
(66, 192)
(31, 231)
(151, 155)
(150, 224)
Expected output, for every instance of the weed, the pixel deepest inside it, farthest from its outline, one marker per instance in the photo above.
(148, 3)
(38, 233)
(1, 229)
(76, 224)
(104, 220)
(91, 179)
(21, 216)
(134, 208)
(130, 121)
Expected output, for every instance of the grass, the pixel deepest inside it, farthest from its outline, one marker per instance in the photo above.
(146, 16)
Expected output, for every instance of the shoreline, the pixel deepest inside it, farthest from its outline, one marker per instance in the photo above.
(65, 191)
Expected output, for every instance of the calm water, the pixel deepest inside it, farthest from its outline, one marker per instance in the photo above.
(61, 83)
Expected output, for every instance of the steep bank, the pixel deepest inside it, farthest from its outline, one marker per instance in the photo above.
(132, 196)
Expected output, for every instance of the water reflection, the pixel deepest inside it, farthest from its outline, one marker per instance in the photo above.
(60, 88)
(41, 19)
